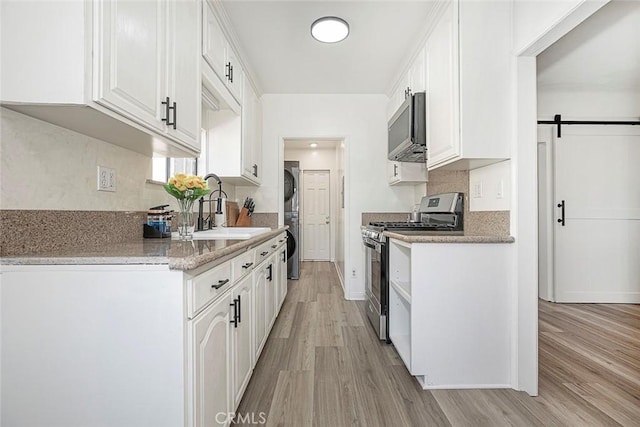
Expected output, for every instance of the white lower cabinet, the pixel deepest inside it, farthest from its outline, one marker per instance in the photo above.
(116, 345)
(449, 312)
(241, 343)
(260, 296)
(282, 276)
(210, 345)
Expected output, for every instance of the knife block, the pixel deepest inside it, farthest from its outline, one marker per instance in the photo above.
(244, 220)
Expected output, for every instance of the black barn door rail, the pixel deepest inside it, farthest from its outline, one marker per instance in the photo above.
(557, 120)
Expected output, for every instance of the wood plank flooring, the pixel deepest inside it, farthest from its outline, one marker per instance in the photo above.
(324, 366)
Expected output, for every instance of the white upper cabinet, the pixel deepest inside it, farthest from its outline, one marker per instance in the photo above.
(441, 53)
(147, 62)
(251, 135)
(410, 82)
(404, 173)
(122, 59)
(464, 69)
(130, 39)
(469, 86)
(218, 53)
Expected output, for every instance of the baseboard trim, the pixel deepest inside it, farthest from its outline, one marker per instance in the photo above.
(599, 297)
(357, 296)
(421, 381)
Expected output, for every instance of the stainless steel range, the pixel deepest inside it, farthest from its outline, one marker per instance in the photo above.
(440, 214)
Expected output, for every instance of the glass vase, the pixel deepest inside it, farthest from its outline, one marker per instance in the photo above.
(185, 219)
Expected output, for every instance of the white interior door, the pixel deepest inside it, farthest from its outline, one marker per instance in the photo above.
(316, 216)
(597, 250)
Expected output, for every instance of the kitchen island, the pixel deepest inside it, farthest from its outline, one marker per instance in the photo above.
(146, 333)
(449, 308)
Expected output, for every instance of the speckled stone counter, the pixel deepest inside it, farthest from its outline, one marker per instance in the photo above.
(178, 255)
(444, 237)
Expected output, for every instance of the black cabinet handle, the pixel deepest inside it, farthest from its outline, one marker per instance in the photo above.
(247, 265)
(274, 246)
(284, 256)
(264, 253)
(239, 310)
(175, 116)
(228, 71)
(231, 78)
(235, 313)
(395, 169)
(561, 219)
(270, 276)
(255, 170)
(167, 112)
(220, 284)
(407, 92)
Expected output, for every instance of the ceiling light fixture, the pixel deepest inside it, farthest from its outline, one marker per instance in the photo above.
(313, 145)
(330, 29)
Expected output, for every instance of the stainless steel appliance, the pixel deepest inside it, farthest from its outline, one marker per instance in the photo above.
(440, 214)
(291, 177)
(408, 130)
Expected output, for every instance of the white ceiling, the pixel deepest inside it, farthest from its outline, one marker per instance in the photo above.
(303, 144)
(274, 38)
(603, 53)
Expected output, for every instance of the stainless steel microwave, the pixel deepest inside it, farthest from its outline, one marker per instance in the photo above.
(408, 130)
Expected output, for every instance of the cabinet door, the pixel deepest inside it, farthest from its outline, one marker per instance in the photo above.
(234, 73)
(272, 290)
(213, 41)
(404, 173)
(249, 135)
(259, 299)
(210, 357)
(443, 138)
(184, 71)
(130, 65)
(282, 273)
(242, 345)
(393, 172)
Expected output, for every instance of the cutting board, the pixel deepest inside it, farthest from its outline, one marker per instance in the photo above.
(232, 213)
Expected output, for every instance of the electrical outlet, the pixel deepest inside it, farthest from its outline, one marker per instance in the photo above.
(500, 190)
(353, 273)
(106, 179)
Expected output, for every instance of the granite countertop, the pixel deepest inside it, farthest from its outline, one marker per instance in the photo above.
(414, 236)
(178, 255)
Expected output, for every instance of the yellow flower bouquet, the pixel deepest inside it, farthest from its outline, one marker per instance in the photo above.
(186, 189)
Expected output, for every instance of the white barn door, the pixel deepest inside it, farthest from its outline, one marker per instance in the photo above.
(316, 216)
(597, 241)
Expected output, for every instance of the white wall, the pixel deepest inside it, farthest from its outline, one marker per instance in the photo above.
(494, 182)
(589, 104)
(317, 159)
(361, 121)
(48, 167)
(536, 20)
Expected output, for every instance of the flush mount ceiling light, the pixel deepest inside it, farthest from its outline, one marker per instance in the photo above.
(313, 145)
(330, 29)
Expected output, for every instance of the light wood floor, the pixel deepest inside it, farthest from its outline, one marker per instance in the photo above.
(323, 366)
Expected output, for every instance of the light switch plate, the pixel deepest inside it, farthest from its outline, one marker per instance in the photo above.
(106, 179)
(500, 190)
(476, 189)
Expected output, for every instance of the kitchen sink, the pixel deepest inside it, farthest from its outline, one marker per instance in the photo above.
(230, 233)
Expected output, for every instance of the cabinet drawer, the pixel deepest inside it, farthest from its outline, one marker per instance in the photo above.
(264, 250)
(281, 239)
(242, 265)
(205, 287)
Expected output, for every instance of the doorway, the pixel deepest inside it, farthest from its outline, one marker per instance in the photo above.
(316, 215)
(322, 211)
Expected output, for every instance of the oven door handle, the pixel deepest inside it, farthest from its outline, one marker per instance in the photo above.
(375, 246)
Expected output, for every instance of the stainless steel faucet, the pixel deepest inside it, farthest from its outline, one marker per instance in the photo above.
(200, 224)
